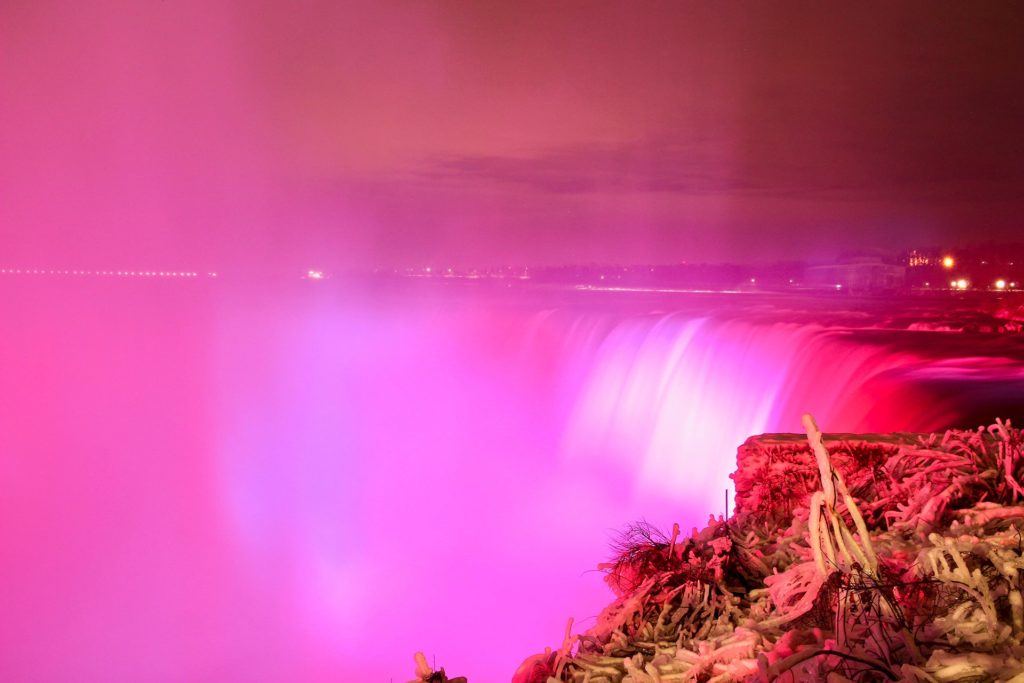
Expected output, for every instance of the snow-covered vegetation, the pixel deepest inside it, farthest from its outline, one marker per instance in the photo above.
(848, 558)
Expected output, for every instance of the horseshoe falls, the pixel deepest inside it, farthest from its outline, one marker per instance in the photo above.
(203, 482)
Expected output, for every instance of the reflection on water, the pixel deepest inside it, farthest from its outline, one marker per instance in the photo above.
(200, 484)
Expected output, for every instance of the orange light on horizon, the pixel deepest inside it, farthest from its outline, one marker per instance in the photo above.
(948, 262)
(1000, 284)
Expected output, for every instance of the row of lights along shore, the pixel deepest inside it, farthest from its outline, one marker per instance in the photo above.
(108, 273)
(998, 285)
(963, 283)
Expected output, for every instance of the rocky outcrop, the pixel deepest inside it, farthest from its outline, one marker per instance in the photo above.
(893, 557)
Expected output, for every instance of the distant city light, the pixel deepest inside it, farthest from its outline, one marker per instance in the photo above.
(948, 262)
(917, 259)
(315, 274)
(1000, 284)
(961, 283)
(104, 273)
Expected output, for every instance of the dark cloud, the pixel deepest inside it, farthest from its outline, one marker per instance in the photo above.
(923, 174)
(625, 168)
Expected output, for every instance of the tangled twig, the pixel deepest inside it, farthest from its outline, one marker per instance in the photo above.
(891, 558)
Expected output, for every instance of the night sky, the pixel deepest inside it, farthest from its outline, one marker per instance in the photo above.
(282, 134)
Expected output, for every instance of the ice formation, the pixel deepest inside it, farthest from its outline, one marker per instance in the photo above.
(848, 558)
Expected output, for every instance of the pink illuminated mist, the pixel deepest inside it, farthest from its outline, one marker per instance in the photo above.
(401, 134)
(203, 484)
(255, 477)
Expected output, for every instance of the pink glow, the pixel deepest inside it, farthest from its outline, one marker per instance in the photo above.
(203, 485)
(209, 480)
(398, 134)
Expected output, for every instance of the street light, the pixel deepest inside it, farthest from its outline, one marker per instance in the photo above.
(948, 262)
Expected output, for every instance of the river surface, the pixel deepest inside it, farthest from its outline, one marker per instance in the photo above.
(210, 480)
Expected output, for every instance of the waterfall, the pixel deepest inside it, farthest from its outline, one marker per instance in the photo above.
(286, 486)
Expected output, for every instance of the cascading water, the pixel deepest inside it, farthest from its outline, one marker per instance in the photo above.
(305, 488)
(666, 399)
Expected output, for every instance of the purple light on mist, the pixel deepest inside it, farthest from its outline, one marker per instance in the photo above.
(222, 486)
